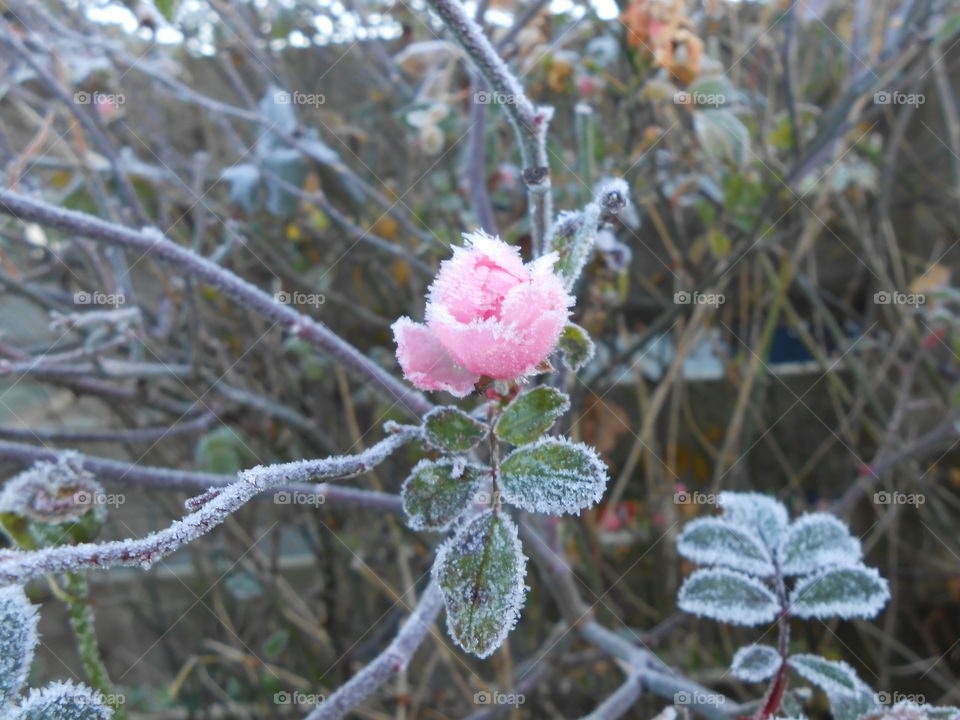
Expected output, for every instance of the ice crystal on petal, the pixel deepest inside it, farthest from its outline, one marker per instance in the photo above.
(714, 541)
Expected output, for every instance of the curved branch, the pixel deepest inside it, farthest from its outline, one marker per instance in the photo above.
(621, 700)
(391, 661)
(151, 242)
(214, 506)
(644, 669)
(529, 121)
(192, 481)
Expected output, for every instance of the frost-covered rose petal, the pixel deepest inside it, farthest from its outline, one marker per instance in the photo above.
(493, 314)
(426, 363)
(472, 284)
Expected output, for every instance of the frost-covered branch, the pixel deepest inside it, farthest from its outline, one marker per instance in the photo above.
(191, 480)
(391, 661)
(530, 122)
(620, 701)
(214, 507)
(651, 673)
(152, 243)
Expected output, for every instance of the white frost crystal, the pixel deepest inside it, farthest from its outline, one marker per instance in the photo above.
(762, 513)
(62, 701)
(481, 571)
(755, 663)
(553, 476)
(845, 592)
(728, 596)
(18, 639)
(714, 541)
(814, 541)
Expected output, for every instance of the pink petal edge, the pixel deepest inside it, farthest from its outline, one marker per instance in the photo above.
(426, 363)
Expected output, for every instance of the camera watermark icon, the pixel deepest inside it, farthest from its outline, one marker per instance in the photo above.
(82, 97)
(895, 497)
(299, 298)
(84, 497)
(683, 297)
(297, 698)
(82, 297)
(892, 698)
(884, 97)
(701, 99)
(285, 497)
(485, 697)
(485, 497)
(689, 697)
(282, 97)
(694, 497)
(486, 97)
(882, 297)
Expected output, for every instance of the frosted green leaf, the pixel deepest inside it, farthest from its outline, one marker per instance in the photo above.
(814, 541)
(18, 639)
(714, 541)
(834, 677)
(576, 347)
(553, 476)
(849, 696)
(480, 571)
(452, 430)
(840, 592)
(62, 701)
(728, 596)
(755, 663)
(436, 493)
(531, 414)
(761, 513)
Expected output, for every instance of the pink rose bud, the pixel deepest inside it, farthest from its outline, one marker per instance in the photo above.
(487, 314)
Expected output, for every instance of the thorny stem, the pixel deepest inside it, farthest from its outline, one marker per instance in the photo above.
(75, 594)
(529, 122)
(150, 242)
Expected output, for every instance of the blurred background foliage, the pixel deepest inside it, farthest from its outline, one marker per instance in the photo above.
(795, 172)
